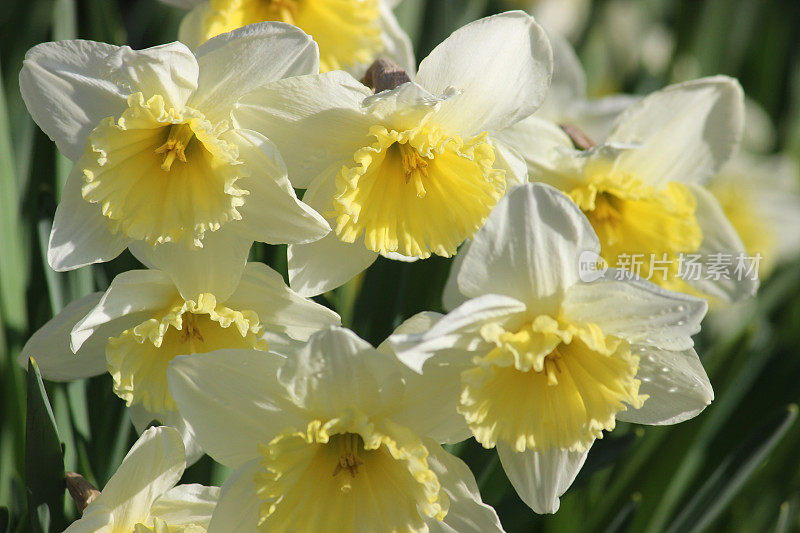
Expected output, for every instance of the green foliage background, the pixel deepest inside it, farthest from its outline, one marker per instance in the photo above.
(733, 468)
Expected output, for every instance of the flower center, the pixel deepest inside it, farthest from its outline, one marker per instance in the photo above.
(162, 175)
(640, 228)
(417, 192)
(180, 135)
(139, 357)
(348, 33)
(359, 478)
(159, 526)
(550, 384)
(349, 443)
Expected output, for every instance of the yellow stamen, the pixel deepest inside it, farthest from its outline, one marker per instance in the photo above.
(414, 166)
(180, 135)
(348, 454)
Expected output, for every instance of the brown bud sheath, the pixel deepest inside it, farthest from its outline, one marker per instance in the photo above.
(81, 490)
(578, 137)
(384, 75)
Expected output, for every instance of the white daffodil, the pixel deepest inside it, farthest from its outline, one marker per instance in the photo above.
(351, 34)
(337, 437)
(160, 166)
(643, 192)
(546, 362)
(141, 497)
(410, 171)
(142, 322)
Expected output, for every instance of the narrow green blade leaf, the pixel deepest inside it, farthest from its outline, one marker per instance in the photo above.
(44, 459)
(732, 473)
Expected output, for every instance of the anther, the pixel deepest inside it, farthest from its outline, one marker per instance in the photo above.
(175, 146)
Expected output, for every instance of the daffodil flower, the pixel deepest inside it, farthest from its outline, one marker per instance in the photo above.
(337, 437)
(410, 171)
(160, 166)
(351, 34)
(143, 321)
(642, 189)
(141, 497)
(546, 362)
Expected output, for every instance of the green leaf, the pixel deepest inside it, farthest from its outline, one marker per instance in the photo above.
(625, 515)
(731, 474)
(5, 519)
(44, 459)
(13, 272)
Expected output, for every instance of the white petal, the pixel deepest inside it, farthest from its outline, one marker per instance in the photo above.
(529, 248)
(95, 519)
(239, 506)
(66, 92)
(429, 404)
(677, 386)
(80, 234)
(170, 70)
(323, 265)
(337, 371)
(720, 246)
(50, 345)
(538, 142)
(272, 213)
(510, 160)
(398, 45)
(323, 110)
(215, 268)
(568, 86)
(456, 334)
(142, 419)
(233, 64)
(190, 31)
(467, 510)
(429, 401)
(637, 310)
(233, 401)
(263, 290)
(153, 466)
(187, 505)
(419, 323)
(541, 478)
(451, 296)
(688, 131)
(134, 296)
(405, 106)
(597, 117)
(502, 64)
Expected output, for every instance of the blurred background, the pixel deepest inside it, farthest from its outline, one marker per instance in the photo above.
(733, 468)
